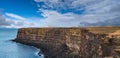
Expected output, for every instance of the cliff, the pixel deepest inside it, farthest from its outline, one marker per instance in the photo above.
(69, 42)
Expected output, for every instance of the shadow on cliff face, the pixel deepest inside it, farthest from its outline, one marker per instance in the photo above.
(67, 42)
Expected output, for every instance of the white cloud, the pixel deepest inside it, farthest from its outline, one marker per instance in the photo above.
(94, 11)
(11, 20)
(15, 16)
(56, 19)
(5, 22)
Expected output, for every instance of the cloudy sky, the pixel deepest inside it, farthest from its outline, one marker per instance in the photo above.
(59, 13)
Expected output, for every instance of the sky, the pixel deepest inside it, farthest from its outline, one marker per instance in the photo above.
(59, 13)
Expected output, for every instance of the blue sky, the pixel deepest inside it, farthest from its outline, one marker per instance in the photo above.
(59, 13)
(25, 8)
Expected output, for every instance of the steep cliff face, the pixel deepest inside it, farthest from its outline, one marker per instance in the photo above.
(65, 42)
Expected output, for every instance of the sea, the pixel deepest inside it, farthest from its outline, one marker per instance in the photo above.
(9, 49)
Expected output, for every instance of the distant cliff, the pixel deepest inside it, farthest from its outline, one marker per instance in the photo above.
(67, 42)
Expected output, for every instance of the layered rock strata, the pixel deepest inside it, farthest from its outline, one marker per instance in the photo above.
(67, 42)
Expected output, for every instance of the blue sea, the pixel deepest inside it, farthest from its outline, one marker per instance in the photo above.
(9, 49)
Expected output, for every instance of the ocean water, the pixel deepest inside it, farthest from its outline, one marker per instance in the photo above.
(9, 49)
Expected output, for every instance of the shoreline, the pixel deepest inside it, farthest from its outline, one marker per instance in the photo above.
(31, 45)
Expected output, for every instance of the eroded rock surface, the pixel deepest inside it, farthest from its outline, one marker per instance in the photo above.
(68, 42)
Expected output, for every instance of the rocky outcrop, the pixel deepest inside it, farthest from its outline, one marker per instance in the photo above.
(66, 42)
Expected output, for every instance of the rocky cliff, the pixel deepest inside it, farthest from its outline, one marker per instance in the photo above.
(68, 42)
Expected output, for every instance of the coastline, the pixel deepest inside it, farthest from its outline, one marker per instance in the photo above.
(32, 45)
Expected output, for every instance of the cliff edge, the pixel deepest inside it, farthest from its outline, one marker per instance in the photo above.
(68, 42)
